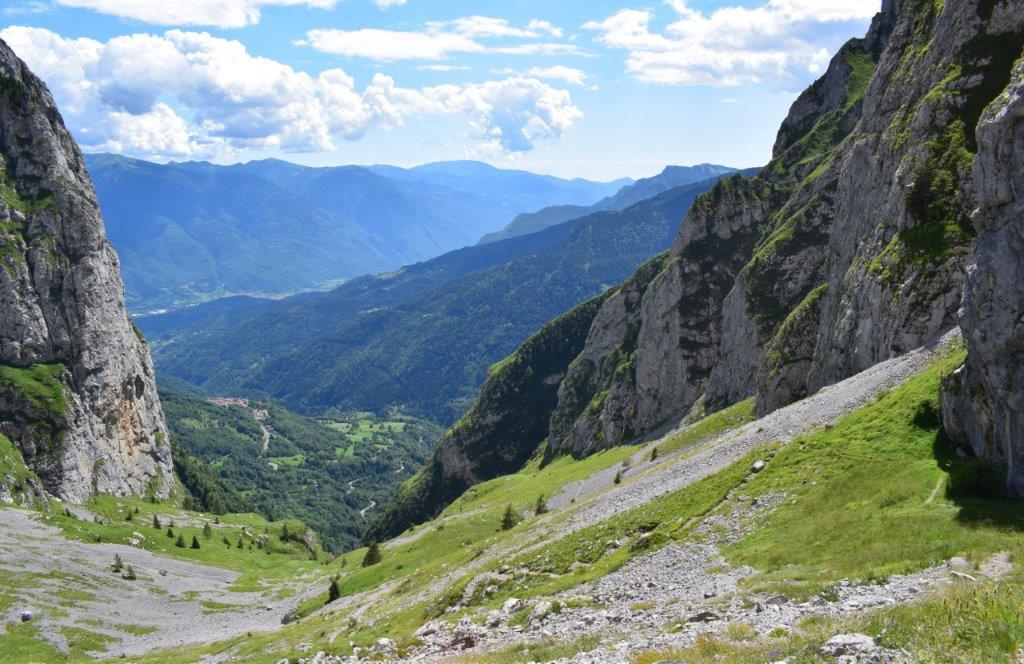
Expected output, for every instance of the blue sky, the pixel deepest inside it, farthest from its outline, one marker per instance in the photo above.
(590, 88)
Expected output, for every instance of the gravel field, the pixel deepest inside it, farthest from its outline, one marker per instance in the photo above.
(165, 601)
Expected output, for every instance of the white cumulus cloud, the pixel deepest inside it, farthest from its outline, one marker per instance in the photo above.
(439, 40)
(570, 75)
(190, 94)
(780, 41)
(219, 13)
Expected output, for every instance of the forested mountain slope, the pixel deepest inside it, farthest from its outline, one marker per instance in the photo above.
(188, 232)
(672, 176)
(397, 340)
(331, 473)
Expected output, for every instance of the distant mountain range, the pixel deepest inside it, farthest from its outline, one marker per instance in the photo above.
(190, 232)
(422, 337)
(672, 176)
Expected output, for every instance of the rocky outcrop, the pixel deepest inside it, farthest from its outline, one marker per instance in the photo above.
(849, 248)
(983, 403)
(77, 393)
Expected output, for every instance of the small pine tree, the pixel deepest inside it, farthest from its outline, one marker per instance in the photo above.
(618, 477)
(170, 532)
(285, 535)
(195, 542)
(344, 563)
(226, 541)
(129, 573)
(240, 544)
(67, 513)
(541, 507)
(130, 516)
(333, 592)
(509, 519)
(654, 454)
(118, 564)
(156, 522)
(372, 556)
(216, 519)
(207, 530)
(180, 542)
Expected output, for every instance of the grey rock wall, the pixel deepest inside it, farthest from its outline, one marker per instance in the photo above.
(983, 403)
(62, 316)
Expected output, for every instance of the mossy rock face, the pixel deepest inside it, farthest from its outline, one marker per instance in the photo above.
(33, 412)
(788, 356)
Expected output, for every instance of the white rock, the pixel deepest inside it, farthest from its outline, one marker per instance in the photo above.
(849, 644)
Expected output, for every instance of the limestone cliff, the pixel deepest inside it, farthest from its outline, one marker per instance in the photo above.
(849, 248)
(77, 393)
(983, 403)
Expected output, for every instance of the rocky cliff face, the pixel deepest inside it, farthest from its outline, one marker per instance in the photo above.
(77, 394)
(983, 403)
(849, 248)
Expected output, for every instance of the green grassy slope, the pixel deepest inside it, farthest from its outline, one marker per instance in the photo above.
(879, 493)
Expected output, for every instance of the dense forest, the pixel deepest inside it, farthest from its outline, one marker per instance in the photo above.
(332, 473)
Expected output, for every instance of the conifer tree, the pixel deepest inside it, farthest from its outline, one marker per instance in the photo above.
(654, 454)
(372, 556)
(509, 519)
(541, 507)
(180, 543)
(195, 542)
(618, 477)
(285, 535)
(333, 592)
(170, 532)
(118, 565)
(129, 573)
(207, 530)
(156, 522)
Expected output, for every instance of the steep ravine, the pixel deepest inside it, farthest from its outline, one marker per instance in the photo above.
(77, 394)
